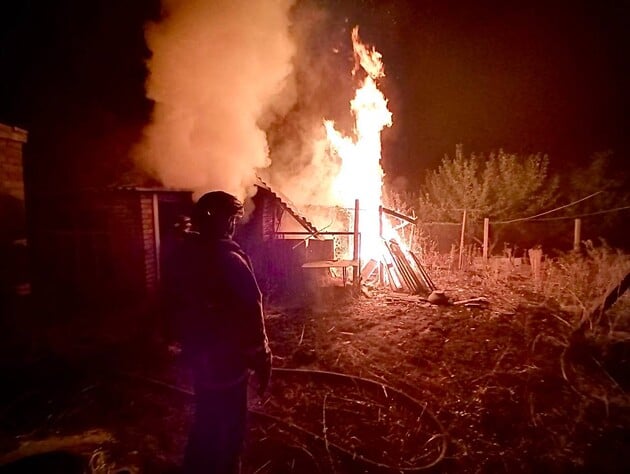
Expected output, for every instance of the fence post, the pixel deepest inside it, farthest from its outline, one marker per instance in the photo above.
(577, 234)
(381, 269)
(461, 241)
(356, 253)
(486, 232)
(535, 260)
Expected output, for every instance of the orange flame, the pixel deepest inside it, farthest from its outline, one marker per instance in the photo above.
(361, 175)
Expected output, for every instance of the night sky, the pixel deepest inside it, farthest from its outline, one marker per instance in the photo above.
(522, 76)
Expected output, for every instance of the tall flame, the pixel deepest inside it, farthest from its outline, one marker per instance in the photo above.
(361, 174)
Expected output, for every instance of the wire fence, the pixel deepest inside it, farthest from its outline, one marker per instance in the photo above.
(514, 236)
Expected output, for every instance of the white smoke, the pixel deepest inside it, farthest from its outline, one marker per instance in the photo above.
(219, 70)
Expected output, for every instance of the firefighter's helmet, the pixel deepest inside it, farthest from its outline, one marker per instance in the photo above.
(214, 209)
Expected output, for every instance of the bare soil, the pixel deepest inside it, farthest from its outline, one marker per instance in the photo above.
(505, 387)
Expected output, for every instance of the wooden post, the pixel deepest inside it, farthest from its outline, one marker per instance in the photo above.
(461, 242)
(381, 269)
(535, 259)
(577, 234)
(486, 232)
(356, 254)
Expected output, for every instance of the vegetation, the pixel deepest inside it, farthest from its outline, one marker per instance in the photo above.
(580, 281)
(597, 176)
(499, 186)
(512, 388)
(611, 186)
(505, 187)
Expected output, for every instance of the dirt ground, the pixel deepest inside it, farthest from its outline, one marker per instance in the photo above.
(500, 387)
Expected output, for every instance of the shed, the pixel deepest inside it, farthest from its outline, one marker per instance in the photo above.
(278, 257)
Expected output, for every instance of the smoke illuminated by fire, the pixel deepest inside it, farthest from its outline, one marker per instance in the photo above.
(217, 69)
(361, 174)
(222, 72)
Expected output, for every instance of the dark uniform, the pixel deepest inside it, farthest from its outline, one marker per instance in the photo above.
(223, 334)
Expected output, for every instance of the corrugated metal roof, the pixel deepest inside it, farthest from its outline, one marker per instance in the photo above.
(290, 208)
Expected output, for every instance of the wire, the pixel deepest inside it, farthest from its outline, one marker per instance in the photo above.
(549, 212)
(585, 215)
(442, 223)
(577, 216)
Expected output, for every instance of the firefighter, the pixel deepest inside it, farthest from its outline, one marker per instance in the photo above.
(223, 334)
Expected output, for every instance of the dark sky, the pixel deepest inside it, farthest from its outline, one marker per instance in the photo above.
(523, 76)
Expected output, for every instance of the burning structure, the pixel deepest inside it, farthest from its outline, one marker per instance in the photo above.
(217, 107)
(358, 186)
(280, 240)
(354, 236)
(112, 242)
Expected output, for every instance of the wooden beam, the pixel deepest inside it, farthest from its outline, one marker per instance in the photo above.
(356, 254)
(398, 215)
(577, 234)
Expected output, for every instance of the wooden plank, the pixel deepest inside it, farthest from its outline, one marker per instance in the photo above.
(428, 282)
(369, 268)
(330, 264)
(398, 215)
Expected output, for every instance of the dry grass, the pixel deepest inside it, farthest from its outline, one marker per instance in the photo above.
(580, 281)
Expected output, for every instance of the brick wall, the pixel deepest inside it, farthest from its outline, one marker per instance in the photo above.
(11, 172)
(14, 275)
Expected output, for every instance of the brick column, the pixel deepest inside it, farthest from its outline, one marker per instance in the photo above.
(13, 267)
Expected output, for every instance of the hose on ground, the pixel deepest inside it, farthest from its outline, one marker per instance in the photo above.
(441, 435)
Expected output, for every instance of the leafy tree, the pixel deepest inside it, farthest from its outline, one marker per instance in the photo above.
(499, 186)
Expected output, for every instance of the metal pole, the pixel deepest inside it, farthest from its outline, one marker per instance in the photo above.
(356, 253)
(381, 269)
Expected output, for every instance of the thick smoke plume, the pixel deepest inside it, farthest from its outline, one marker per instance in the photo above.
(218, 70)
(303, 167)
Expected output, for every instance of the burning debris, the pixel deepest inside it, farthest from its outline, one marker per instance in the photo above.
(361, 175)
(214, 105)
(360, 181)
(191, 87)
